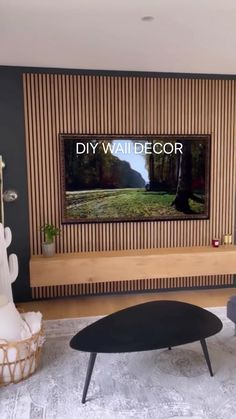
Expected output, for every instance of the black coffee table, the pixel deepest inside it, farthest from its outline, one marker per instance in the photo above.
(144, 327)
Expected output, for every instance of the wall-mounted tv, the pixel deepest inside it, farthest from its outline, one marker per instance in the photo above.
(108, 178)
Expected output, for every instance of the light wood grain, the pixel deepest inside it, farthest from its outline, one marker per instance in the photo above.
(106, 304)
(94, 267)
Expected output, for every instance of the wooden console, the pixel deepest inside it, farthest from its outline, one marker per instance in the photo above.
(97, 267)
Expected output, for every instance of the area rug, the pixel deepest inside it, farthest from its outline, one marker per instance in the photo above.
(157, 384)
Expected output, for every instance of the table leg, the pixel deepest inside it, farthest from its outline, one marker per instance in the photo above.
(91, 362)
(205, 351)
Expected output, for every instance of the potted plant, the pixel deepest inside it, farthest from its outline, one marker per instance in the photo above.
(48, 246)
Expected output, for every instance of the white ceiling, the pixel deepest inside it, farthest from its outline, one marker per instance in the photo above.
(193, 36)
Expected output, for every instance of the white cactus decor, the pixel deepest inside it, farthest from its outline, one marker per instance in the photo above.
(8, 267)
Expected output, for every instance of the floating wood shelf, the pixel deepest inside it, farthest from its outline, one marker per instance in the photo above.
(97, 267)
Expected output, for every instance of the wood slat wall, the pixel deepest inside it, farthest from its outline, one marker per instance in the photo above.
(84, 104)
(131, 286)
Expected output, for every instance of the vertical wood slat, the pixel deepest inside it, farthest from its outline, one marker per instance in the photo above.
(115, 104)
(129, 286)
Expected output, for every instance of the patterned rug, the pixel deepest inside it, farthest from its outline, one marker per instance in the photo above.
(157, 384)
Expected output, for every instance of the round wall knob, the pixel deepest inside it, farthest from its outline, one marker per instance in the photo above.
(10, 195)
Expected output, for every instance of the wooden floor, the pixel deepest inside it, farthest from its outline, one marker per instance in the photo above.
(102, 305)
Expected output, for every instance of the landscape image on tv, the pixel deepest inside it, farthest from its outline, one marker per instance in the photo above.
(124, 178)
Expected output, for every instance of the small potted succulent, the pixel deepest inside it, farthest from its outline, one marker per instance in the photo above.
(48, 246)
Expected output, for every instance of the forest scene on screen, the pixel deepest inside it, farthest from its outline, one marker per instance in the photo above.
(118, 179)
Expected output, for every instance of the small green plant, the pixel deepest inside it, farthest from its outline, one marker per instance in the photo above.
(50, 231)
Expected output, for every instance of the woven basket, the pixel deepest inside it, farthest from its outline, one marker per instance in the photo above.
(20, 359)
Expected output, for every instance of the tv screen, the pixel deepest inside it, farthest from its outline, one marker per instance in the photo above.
(133, 178)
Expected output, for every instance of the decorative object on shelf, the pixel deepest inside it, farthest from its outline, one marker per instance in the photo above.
(227, 239)
(215, 242)
(8, 266)
(48, 246)
(21, 340)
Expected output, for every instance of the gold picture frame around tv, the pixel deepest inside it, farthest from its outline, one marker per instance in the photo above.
(109, 178)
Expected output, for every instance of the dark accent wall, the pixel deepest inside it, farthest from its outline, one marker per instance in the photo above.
(12, 149)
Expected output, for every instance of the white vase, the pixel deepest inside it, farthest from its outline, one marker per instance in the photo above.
(48, 249)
